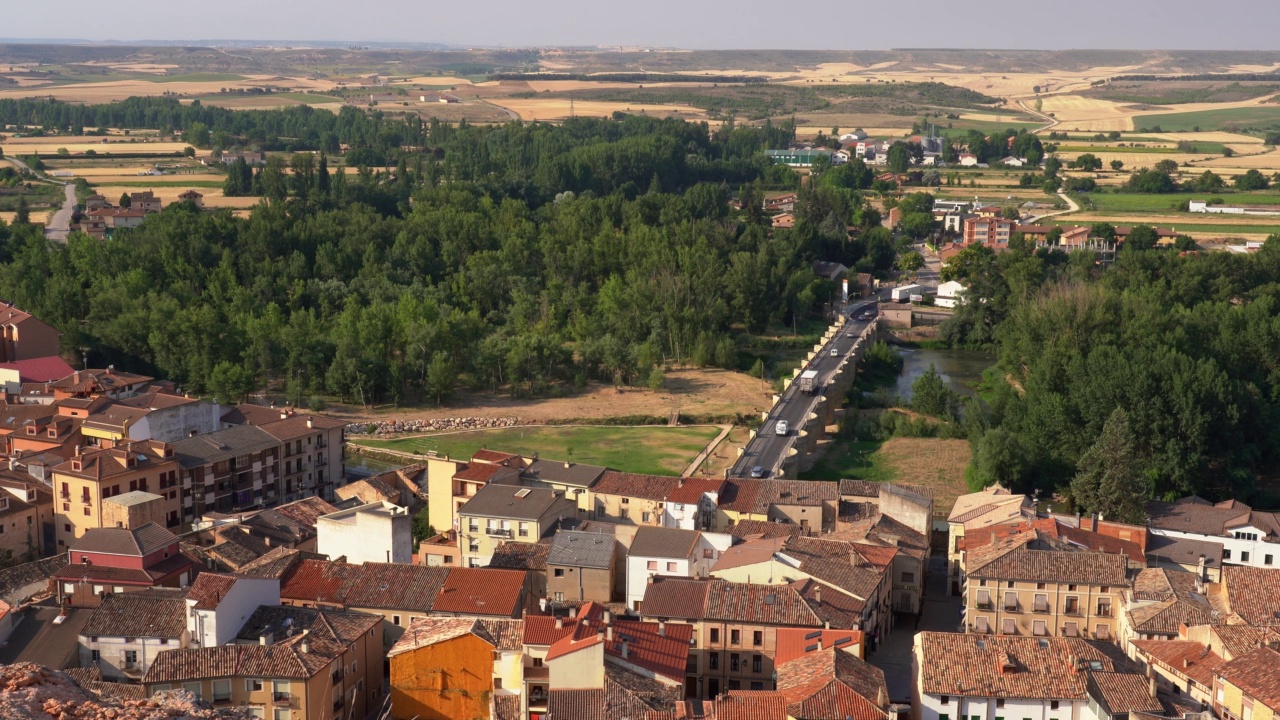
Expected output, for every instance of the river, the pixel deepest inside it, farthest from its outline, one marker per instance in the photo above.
(961, 369)
(362, 466)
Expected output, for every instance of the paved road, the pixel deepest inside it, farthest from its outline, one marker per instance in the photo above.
(768, 449)
(939, 612)
(59, 226)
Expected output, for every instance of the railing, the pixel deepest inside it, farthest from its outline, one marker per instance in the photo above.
(1104, 611)
(497, 532)
(1011, 607)
(282, 698)
(1072, 610)
(1041, 608)
(985, 605)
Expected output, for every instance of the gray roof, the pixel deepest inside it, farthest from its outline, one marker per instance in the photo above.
(133, 497)
(582, 549)
(515, 503)
(663, 542)
(1183, 551)
(123, 541)
(153, 613)
(575, 474)
(222, 445)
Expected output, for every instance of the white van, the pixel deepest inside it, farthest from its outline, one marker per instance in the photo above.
(781, 427)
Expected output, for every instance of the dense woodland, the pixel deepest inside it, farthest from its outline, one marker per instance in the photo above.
(1178, 356)
(520, 258)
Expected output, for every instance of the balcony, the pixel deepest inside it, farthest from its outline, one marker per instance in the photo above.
(985, 605)
(537, 673)
(538, 698)
(282, 698)
(1012, 607)
(1072, 610)
(498, 532)
(1104, 611)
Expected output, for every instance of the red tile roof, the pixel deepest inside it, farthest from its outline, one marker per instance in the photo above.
(690, 491)
(1007, 666)
(498, 458)
(796, 642)
(479, 472)
(649, 487)
(1257, 674)
(481, 591)
(1182, 656)
(1253, 594)
(209, 589)
(39, 370)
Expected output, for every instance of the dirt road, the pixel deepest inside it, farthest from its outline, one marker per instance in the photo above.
(59, 225)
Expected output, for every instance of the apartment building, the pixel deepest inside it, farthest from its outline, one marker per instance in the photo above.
(812, 505)
(735, 629)
(459, 481)
(81, 483)
(1248, 687)
(1045, 593)
(26, 516)
(992, 232)
(992, 506)
(582, 566)
(285, 662)
(120, 560)
(500, 513)
(1248, 537)
(231, 470)
(1160, 602)
(572, 479)
(671, 553)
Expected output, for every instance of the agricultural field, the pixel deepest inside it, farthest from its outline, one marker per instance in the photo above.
(650, 450)
(933, 463)
(48, 146)
(1226, 119)
(1180, 92)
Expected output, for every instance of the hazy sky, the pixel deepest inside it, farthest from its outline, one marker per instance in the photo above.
(1031, 24)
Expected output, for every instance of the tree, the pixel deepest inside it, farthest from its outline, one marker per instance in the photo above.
(657, 379)
(23, 215)
(1251, 180)
(1088, 162)
(917, 226)
(421, 528)
(1151, 181)
(1228, 152)
(931, 396)
(125, 200)
(910, 262)
(999, 457)
(899, 157)
(1168, 167)
(1141, 237)
(442, 378)
(230, 382)
(1117, 165)
(1209, 181)
(1110, 478)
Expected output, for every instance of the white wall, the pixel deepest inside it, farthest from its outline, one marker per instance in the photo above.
(957, 707)
(111, 654)
(220, 625)
(638, 573)
(377, 532)
(175, 423)
(1235, 547)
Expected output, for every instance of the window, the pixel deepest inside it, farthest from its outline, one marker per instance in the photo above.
(671, 567)
(1009, 627)
(1011, 601)
(626, 501)
(1053, 704)
(1101, 632)
(757, 685)
(95, 655)
(982, 583)
(559, 572)
(757, 663)
(757, 638)
(130, 657)
(1071, 630)
(1071, 588)
(537, 662)
(1266, 559)
(1039, 628)
(908, 577)
(982, 625)
(999, 702)
(644, 517)
(946, 699)
(395, 619)
(1244, 556)
(282, 714)
(1042, 603)
(221, 690)
(715, 635)
(713, 661)
(653, 564)
(944, 716)
(735, 661)
(735, 637)
(194, 688)
(497, 683)
(257, 712)
(735, 684)
(1039, 586)
(252, 684)
(524, 529)
(1226, 552)
(984, 598)
(707, 553)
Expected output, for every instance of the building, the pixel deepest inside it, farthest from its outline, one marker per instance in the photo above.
(375, 532)
(26, 516)
(950, 294)
(1045, 593)
(1185, 554)
(803, 157)
(735, 628)
(25, 337)
(581, 567)
(126, 632)
(82, 483)
(445, 668)
(992, 232)
(192, 197)
(670, 553)
(1180, 666)
(1201, 206)
(169, 417)
(574, 480)
(832, 684)
(812, 505)
(1248, 537)
(498, 513)
(1249, 596)
(1161, 602)
(300, 663)
(991, 506)
(1248, 686)
(145, 201)
(910, 562)
(121, 560)
(531, 559)
(962, 675)
(460, 481)
(217, 606)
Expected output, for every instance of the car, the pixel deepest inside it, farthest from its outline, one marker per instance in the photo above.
(757, 472)
(835, 351)
(781, 427)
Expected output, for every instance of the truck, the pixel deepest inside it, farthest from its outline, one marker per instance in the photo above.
(904, 293)
(808, 381)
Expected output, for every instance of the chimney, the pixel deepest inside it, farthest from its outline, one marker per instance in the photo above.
(819, 643)
(1200, 576)
(566, 464)
(662, 628)
(309, 424)
(817, 594)
(608, 633)
(305, 647)
(626, 651)
(1151, 686)
(608, 616)
(559, 623)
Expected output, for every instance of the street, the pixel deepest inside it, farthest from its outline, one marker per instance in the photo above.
(767, 449)
(59, 225)
(939, 613)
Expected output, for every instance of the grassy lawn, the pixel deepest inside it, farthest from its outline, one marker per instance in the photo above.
(1133, 202)
(851, 460)
(1212, 119)
(651, 450)
(1190, 228)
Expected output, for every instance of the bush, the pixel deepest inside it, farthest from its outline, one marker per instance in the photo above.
(316, 403)
(656, 379)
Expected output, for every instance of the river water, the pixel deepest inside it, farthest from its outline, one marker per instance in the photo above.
(961, 369)
(362, 466)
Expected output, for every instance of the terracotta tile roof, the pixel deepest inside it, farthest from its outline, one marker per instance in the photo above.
(1009, 666)
(836, 608)
(757, 604)
(209, 589)
(649, 487)
(278, 562)
(751, 705)
(506, 707)
(506, 633)
(995, 498)
(479, 472)
(1257, 674)
(833, 685)
(427, 631)
(498, 458)
(521, 556)
(757, 529)
(797, 642)
(625, 696)
(1173, 601)
(1123, 692)
(1086, 568)
(1194, 515)
(1102, 543)
(757, 496)
(669, 597)
(1182, 656)
(14, 579)
(481, 591)
(390, 586)
(691, 490)
(1236, 640)
(859, 488)
(154, 613)
(750, 552)
(663, 542)
(1253, 593)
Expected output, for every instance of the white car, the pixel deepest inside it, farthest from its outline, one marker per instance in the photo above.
(781, 427)
(835, 352)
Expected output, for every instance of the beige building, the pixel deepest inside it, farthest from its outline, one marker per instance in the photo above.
(1160, 603)
(81, 484)
(26, 509)
(499, 513)
(1046, 593)
(459, 482)
(1246, 688)
(992, 506)
(286, 663)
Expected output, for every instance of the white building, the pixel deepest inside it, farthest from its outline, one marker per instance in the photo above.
(376, 532)
(692, 505)
(1201, 206)
(672, 553)
(219, 605)
(977, 677)
(1248, 536)
(949, 294)
(125, 632)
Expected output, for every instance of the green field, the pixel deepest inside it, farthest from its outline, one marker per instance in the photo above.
(1133, 202)
(851, 460)
(656, 450)
(1246, 117)
(1191, 228)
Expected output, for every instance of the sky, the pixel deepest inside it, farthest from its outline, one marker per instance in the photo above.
(692, 24)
